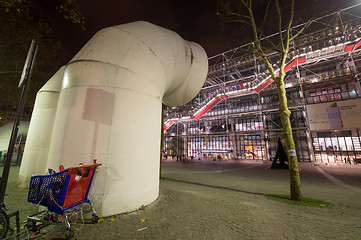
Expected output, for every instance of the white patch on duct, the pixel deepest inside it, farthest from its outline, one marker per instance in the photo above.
(110, 106)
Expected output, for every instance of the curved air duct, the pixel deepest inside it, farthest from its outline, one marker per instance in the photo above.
(110, 108)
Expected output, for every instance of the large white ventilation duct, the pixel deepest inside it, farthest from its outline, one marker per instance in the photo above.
(110, 109)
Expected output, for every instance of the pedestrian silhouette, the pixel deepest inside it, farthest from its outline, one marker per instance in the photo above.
(281, 155)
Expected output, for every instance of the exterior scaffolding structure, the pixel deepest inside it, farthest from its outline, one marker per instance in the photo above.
(235, 116)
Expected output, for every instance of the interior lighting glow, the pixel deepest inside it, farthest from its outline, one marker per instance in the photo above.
(312, 80)
(288, 85)
(185, 118)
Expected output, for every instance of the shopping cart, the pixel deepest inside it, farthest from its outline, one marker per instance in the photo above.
(62, 193)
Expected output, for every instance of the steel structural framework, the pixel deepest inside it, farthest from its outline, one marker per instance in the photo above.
(326, 53)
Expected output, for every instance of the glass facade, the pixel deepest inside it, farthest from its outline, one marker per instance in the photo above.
(337, 147)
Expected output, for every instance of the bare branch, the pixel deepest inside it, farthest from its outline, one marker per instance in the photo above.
(238, 15)
(261, 53)
(241, 21)
(274, 47)
(280, 24)
(247, 4)
(291, 17)
(262, 36)
(302, 29)
(288, 29)
(265, 15)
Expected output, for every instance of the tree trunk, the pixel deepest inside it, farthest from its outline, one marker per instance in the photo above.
(295, 183)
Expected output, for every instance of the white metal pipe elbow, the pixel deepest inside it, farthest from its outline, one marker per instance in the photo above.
(110, 109)
(160, 57)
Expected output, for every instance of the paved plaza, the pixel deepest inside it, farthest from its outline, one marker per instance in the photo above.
(202, 199)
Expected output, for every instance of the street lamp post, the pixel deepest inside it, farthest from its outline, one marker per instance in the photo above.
(24, 84)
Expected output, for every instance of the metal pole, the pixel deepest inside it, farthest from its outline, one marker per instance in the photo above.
(177, 143)
(25, 87)
(161, 142)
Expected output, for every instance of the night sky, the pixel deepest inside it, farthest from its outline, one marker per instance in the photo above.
(194, 20)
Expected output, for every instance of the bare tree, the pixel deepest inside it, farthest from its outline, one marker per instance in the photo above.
(261, 45)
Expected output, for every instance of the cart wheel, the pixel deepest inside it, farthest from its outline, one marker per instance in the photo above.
(69, 234)
(95, 219)
(31, 225)
(4, 224)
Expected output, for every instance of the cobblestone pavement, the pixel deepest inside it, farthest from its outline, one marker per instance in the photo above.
(225, 200)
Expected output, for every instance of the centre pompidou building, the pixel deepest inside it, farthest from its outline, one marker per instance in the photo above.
(235, 116)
